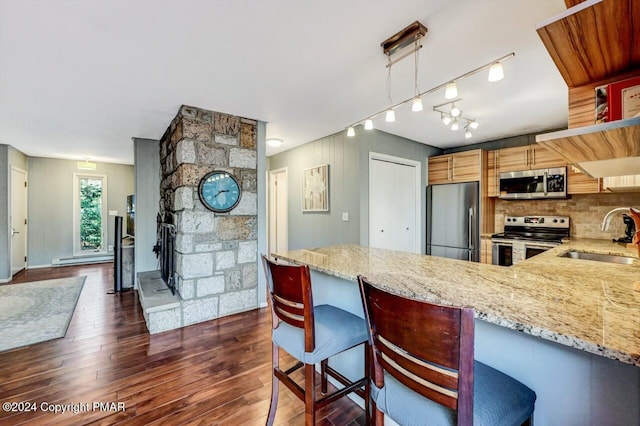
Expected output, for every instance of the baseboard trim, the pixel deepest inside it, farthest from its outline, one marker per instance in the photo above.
(82, 260)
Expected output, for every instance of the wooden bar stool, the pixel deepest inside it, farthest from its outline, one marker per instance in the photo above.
(311, 334)
(424, 371)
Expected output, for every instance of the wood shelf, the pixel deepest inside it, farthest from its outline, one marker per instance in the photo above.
(594, 40)
(586, 146)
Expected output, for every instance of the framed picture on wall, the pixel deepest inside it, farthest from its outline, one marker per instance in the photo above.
(315, 189)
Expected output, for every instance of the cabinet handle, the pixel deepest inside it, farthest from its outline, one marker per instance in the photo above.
(496, 159)
(448, 168)
(453, 168)
(533, 154)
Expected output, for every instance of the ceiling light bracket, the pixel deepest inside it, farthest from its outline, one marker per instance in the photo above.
(403, 38)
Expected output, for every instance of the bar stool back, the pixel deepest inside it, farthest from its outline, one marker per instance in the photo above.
(311, 334)
(424, 370)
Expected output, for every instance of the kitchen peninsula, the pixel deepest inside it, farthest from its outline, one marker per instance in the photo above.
(569, 329)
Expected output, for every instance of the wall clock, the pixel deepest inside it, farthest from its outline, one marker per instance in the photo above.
(219, 191)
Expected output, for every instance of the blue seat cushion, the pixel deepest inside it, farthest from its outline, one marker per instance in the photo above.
(336, 330)
(498, 400)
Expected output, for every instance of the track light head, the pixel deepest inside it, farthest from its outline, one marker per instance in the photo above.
(451, 90)
(454, 125)
(351, 132)
(368, 124)
(496, 73)
(390, 116)
(416, 105)
(455, 111)
(446, 119)
(473, 124)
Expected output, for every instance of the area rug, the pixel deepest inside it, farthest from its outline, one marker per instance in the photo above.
(37, 311)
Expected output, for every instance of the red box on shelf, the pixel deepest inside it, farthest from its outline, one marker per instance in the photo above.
(624, 99)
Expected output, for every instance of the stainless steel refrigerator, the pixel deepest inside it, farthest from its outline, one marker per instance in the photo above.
(453, 229)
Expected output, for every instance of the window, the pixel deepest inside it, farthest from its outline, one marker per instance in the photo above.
(90, 218)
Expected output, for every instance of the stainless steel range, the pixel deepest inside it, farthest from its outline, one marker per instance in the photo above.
(526, 236)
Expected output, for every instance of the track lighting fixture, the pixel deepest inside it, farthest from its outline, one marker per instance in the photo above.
(401, 42)
(454, 125)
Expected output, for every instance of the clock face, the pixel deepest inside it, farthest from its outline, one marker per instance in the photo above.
(219, 191)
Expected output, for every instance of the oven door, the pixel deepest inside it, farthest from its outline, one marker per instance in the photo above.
(502, 252)
(532, 249)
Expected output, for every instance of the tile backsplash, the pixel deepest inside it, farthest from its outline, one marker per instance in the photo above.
(586, 212)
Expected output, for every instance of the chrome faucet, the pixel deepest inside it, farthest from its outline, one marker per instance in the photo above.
(608, 216)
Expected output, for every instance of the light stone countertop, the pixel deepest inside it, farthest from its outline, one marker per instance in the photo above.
(587, 305)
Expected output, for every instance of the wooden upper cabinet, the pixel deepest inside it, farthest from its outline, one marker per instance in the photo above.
(440, 169)
(580, 183)
(527, 157)
(593, 39)
(466, 166)
(492, 174)
(452, 168)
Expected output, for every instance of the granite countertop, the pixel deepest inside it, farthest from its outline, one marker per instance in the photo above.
(587, 305)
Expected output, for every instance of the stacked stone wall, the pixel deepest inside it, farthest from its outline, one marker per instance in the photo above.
(216, 254)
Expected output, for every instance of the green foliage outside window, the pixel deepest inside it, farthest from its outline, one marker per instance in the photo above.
(90, 214)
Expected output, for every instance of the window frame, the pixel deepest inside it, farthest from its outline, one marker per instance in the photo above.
(77, 249)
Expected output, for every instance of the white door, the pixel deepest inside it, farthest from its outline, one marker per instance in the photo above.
(394, 203)
(278, 215)
(18, 220)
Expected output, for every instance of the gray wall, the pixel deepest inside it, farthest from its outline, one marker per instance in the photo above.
(315, 229)
(9, 157)
(348, 160)
(146, 154)
(50, 200)
(5, 253)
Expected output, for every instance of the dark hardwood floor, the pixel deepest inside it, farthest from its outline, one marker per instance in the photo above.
(217, 372)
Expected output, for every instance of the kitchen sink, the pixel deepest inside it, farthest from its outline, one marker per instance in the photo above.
(599, 257)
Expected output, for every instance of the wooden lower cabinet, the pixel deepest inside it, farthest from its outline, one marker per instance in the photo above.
(485, 250)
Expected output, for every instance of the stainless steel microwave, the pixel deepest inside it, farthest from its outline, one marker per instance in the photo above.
(530, 184)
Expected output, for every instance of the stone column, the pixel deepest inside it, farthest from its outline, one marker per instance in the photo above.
(216, 254)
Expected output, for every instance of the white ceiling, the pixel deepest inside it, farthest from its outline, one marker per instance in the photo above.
(79, 79)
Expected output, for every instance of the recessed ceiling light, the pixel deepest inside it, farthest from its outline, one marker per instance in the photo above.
(274, 142)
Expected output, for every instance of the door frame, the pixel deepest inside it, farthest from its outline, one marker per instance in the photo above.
(26, 215)
(417, 165)
(270, 191)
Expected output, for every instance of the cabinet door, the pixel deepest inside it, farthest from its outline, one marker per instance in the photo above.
(439, 169)
(466, 166)
(580, 183)
(543, 158)
(513, 159)
(492, 174)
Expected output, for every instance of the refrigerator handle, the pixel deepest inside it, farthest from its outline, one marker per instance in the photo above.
(470, 217)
